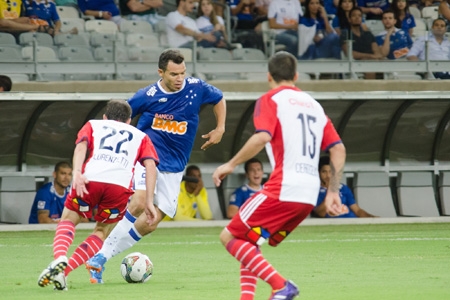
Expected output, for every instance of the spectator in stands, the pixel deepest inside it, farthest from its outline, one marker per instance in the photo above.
(349, 208)
(101, 10)
(394, 43)
(444, 10)
(262, 7)
(11, 20)
(248, 27)
(373, 8)
(254, 173)
(192, 198)
(72, 3)
(284, 16)
(141, 10)
(5, 83)
(364, 45)
(49, 201)
(317, 38)
(182, 30)
(44, 13)
(438, 46)
(340, 22)
(209, 23)
(405, 20)
(330, 6)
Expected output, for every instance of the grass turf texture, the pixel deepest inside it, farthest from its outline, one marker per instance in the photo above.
(402, 261)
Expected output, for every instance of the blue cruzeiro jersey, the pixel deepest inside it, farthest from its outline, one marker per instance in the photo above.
(241, 194)
(400, 42)
(170, 119)
(48, 199)
(346, 198)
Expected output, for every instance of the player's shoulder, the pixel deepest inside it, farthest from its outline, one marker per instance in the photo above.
(193, 81)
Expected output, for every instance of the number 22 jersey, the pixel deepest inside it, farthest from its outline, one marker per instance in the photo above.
(114, 148)
(300, 129)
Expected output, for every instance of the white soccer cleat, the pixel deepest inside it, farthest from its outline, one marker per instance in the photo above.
(60, 282)
(54, 268)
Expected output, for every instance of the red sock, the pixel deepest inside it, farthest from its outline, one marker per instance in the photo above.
(248, 284)
(86, 250)
(250, 256)
(65, 232)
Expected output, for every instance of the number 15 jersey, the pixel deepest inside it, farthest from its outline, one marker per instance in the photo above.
(300, 129)
(114, 148)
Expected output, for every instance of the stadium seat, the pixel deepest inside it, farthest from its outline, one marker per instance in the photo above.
(67, 12)
(18, 77)
(420, 29)
(160, 29)
(67, 39)
(98, 39)
(16, 198)
(416, 194)
(430, 12)
(101, 26)
(444, 192)
(217, 54)
(144, 53)
(375, 26)
(248, 54)
(127, 26)
(106, 54)
(68, 24)
(80, 54)
(44, 54)
(268, 36)
(8, 54)
(42, 39)
(142, 40)
(8, 40)
(415, 12)
(187, 53)
(373, 193)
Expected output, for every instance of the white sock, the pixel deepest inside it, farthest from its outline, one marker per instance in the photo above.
(126, 241)
(122, 228)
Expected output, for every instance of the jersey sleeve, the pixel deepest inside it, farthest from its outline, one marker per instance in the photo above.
(348, 195)
(330, 136)
(211, 94)
(147, 151)
(42, 199)
(265, 115)
(85, 134)
(136, 102)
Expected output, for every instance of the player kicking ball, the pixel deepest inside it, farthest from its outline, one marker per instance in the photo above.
(294, 128)
(102, 180)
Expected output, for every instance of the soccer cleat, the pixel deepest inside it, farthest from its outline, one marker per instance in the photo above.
(95, 266)
(60, 282)
(289, 292)
(54, 268)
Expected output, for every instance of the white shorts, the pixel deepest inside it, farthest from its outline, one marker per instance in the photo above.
(166, 190)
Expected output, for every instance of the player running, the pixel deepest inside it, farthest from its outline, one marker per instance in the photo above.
(169, 112)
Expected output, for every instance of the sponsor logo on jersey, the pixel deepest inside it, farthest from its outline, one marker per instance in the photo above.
(193, 80)
(165, 122)
(162, 100)
(151, 92)
(306, 104)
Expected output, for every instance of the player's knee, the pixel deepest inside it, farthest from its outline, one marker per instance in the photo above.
(137, 204)
(225, 237)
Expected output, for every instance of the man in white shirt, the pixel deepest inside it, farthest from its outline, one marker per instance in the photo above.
(438, 47)
(181, 29)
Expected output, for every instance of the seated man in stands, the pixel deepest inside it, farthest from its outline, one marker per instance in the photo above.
(5, 83)
(182, 30)
(254, 173)
(349, 207)
(192, 198)
(11, 20)
(141, 10)
(364, 45)
(394, 43)
(102, 10)
(49, 201)
(438, 47)
(373, 9)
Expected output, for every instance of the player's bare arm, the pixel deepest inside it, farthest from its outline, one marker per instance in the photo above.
(337, 160)
(79, 180)
(252, 147)
(215, 136)
(150, 182)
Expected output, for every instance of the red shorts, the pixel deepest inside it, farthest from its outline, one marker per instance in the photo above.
(263, 217)
(110, 200)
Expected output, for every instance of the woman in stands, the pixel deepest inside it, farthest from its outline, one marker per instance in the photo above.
(317, 38)
(405, 20)
(44, 14)
(209, 22)
(340, 22)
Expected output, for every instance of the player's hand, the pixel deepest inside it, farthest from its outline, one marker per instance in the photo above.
(333, 204)
(221, 172)
(79, 184)
(150, 211)
(214, 137)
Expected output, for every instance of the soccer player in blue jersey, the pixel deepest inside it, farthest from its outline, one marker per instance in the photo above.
(49, 200)
(394, 43)
(169, 111)
(254, 173)
(349, 208)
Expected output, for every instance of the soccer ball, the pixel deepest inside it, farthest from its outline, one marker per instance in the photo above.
(136, 268)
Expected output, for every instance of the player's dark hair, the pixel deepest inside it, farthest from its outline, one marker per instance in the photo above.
(353, 9)
(283, 66)
(438, 19)
(118, 110)
(251, 161)
(324, 161)
(62, 164)
(178, 2)
(5, 83)
(169, 55)
(396, 10)
(192, 168)
(389, 11)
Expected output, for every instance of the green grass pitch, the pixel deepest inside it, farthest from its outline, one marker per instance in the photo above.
(401, 261)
